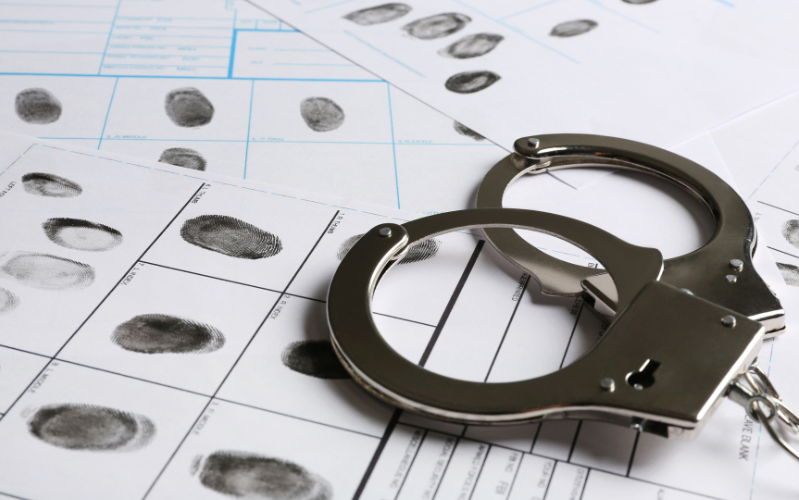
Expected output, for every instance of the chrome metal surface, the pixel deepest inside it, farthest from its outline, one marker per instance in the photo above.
(728, 321)
(737, 265)
(702, 271)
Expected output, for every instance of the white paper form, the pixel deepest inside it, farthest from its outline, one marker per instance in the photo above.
(657, 72)
(249, 384)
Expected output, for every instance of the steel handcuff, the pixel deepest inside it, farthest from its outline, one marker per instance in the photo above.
(685, 332)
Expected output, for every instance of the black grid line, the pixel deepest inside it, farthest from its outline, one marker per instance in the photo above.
(209, 276)
(526, 278)
(392, 424)
(410, 465)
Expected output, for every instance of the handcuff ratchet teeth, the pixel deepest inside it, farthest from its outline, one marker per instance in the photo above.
(653, 370)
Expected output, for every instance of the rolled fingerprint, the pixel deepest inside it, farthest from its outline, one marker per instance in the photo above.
(470, 82)
(37, 106)
(472, 46)
(321, 114)
(183, 157)
(437, 26)
(377, 15)
(50, 185)
(161, 333)
(47, 272)
(188, 107)
(79, 234)
(230, 236)
(247, 475)
(8, 301)
(418, 252)
(790, 231)
(89, 427)
(316, 358)
(464, 130)
(790, 273)
(638, 2)
(573, 28)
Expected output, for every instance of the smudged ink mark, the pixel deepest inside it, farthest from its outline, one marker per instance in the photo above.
(316, 358)
(464, 130)
(379, 14)
(790, 231)
(790, 273)
(161, 333)
(37, 106)
(50, 185)
(230, 236)
(48, 272)
(437, 26)
(321, 114)
(79, 234)
(638, 2)
(246, 475)
(418, 252)
(8, 301)
(470, 46)
(469, 82)
(89, 427)
(183, 157)
(188, 107)
(573, 28)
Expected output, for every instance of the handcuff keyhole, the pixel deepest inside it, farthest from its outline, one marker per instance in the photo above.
(644, 377)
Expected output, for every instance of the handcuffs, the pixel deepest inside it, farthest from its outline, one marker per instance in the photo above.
(684, 332)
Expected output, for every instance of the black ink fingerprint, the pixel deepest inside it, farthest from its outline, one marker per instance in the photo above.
(321, 114)
(437, 26)
(246, 475)
(573, 28)
(377, 15)
(790, 273)
(183, 157)
(48, 272)
(790, 231)
(315, 358)
(638, 2)
(8, 301)
(464, 130)
(161, 333)
(88, 427)
(50, 185)
(469, 82)
(188, 107)
(37, 106)
(79, 234)
(418, 252)
(230, 236)
(472, 46)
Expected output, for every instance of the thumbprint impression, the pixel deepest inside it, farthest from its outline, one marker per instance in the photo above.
(418, 252)
(246, 475)
(79, 234)
(470, 82)
(790, 231)
(8, 301)
(161, 333)
(183, 157)
(47, 272)
(88, 427)
(573, 28)
(472, 46)
(379, 14)
(464, 130)
(37, 106)
(316, 358)
(50, 185)
(230, 236)
(437, 26)
(790, 273)
(188, 107)
(321, 114)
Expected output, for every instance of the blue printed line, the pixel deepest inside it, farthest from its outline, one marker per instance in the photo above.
(47, 52)
(232, 47)
(159, 45)
(170, 18)
(19, 4)
(383, 53)
(201, 37)
(302, 50)
(527, 10)
(188, 57)
(311, 64)
(773, 170)
(42, 21)
(156, 66)
(725, 2)
(393, 145)
(107, 40)
(630, 19)
(108, 112)
(184, 77)
(57, 31)
(249, 122)
(136, 26)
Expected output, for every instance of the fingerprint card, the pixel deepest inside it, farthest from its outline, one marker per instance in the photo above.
(17, 370)
(172, 327)
(242, 452)
(84, 433)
